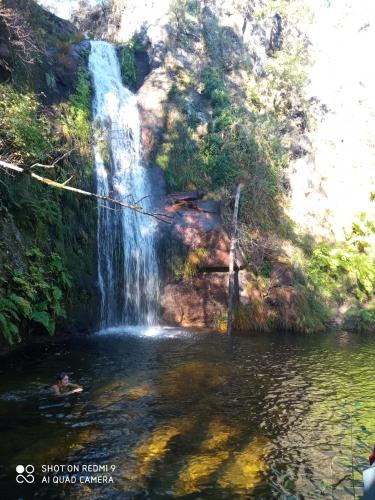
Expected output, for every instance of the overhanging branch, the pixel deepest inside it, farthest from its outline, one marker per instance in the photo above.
(66, 187)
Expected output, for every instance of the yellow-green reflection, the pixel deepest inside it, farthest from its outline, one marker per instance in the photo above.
(118, 390)
(245, 470)
(153, 449)
(211, 454)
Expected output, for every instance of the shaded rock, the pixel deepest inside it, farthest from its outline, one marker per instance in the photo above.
(276, 37)
(198, 304)
(197, 224)
(152, 98)
(142, 68)
(63, 65)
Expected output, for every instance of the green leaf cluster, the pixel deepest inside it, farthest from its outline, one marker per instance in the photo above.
(343, 273)
(75, 115)
(360, 320)
(126, 55)
(35, 295)
(23, 128)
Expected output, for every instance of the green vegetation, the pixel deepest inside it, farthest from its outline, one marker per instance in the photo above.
(236, 145)
(226, 124)
(34, 296)
(45, 252)
(342, 274)
(126, 54)
(360, 320)
(75, 119)
(23, 128)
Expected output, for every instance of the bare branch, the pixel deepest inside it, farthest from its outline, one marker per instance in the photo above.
(67, 180)
(53, 164)
(59, 185)
(20, 35)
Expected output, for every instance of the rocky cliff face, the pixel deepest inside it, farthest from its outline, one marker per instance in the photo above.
(184, 41)
(228, 93)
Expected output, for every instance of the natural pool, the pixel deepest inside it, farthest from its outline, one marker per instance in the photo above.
(188, 415)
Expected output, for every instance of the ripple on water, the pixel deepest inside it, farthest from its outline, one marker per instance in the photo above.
(201, 415)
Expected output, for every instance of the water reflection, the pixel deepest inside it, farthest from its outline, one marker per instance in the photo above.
(200, 416)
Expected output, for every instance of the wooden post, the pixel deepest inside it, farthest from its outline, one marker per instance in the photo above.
(232, 256)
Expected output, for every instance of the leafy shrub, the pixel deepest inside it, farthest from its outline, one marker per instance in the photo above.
(339, 271)
(343, 273)
(360, 320)
(36, 295)
(22, 126)
(126, 55)
(214, 88)
(75, 118)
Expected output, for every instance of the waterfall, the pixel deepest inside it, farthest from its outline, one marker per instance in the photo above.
(127, 260)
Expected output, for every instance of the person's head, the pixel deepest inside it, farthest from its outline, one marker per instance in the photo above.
(62, 379)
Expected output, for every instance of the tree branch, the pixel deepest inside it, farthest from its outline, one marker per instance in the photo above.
(53, 164)
(65, 186)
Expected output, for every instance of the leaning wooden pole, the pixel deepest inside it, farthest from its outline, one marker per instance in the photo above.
(232, 257)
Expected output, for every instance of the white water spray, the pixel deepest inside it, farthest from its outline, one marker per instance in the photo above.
(127, 260)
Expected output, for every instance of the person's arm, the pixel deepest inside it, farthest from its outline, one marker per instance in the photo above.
(75, 388)
(56, 391)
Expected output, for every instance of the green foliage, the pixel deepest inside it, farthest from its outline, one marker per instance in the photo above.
(342, 270)
(75, 118)
(34, 295)
(336, 270)
(214, 89)
(342, 273)
(312, 312)
(360, 320)
(9, 318)
(193, 262)
(235, 146)
(22, 126)
(178, 156)
(286, 70)
(126, 55)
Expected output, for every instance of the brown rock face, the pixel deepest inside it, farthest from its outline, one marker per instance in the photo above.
(198, 303)
(198, 300)
(197, 224)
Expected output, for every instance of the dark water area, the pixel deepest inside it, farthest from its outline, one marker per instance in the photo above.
(184, 415)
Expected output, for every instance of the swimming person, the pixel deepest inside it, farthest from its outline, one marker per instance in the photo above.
(64, 387)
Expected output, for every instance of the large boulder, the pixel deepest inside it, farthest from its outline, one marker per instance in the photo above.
(198, 303)
(196, 225)
(196, 236)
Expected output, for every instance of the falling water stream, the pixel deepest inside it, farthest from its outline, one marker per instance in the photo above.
(127, 261)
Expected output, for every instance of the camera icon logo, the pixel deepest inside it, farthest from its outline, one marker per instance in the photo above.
(25, 474)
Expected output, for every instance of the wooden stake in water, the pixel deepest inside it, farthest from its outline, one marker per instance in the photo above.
(232, 257)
